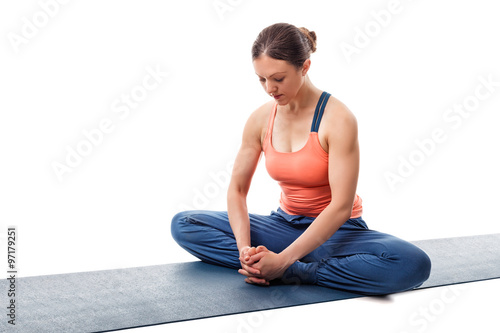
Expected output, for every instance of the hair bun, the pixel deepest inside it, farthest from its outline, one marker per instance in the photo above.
(311, 37)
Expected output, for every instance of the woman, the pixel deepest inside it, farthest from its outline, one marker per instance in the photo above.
(317, 235)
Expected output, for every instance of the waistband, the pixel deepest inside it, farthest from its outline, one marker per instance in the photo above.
(301, 219)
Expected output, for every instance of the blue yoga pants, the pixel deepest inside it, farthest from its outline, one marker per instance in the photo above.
(355, 258)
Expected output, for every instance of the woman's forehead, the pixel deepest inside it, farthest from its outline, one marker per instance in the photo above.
(267, 67)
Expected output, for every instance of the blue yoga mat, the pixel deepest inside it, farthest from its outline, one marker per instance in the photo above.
(142, 296)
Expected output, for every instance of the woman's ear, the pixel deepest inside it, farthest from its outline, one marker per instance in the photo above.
(306, 66)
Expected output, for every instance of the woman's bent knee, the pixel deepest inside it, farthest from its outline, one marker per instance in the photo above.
(179, 225)
(422, 267)
(410, 267)
(415, 269)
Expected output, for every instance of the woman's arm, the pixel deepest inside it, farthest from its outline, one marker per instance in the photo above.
(244, 167)
(343, 169)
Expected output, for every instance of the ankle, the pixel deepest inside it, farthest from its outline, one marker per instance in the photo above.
(300, 273)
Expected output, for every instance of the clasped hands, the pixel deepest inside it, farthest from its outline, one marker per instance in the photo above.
(261, 265)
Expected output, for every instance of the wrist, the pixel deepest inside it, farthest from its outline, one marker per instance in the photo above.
(287, 258)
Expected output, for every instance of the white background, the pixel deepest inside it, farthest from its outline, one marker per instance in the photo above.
(113, 210)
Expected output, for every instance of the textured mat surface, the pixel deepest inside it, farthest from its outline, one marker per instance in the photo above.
(142, 296)
(462, 259)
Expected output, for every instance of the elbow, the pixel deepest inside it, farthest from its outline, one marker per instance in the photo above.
(342, 211)
(346, 214)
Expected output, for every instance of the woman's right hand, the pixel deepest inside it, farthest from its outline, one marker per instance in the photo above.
(247, 259)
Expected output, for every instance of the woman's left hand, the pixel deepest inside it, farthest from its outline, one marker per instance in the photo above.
(271, 265)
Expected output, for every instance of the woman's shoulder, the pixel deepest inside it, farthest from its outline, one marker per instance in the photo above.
(263, 112)
(260, 116)
(256, 124)
(339, 123)
(337, 114)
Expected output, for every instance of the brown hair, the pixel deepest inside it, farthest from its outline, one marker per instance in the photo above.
(285, 41)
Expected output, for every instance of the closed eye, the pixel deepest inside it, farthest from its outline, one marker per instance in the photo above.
(277, 80)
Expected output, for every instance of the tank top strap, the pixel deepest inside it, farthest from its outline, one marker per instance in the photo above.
(318, 113)
(270, 125)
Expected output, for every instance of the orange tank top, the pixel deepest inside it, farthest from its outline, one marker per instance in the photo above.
(303, 174)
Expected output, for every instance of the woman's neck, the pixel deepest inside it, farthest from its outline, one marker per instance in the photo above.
(306, 96)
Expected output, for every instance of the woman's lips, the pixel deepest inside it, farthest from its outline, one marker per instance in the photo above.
(277, 96)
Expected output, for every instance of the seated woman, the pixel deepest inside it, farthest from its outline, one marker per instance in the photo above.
(317, 234)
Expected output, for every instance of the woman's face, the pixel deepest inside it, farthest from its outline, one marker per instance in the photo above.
(279, 78)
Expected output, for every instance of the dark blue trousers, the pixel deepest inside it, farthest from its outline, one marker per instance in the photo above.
(354, 259)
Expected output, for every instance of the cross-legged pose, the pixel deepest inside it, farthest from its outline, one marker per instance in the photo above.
(317, 234)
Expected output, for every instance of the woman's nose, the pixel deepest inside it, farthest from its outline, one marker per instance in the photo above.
(269, 88)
